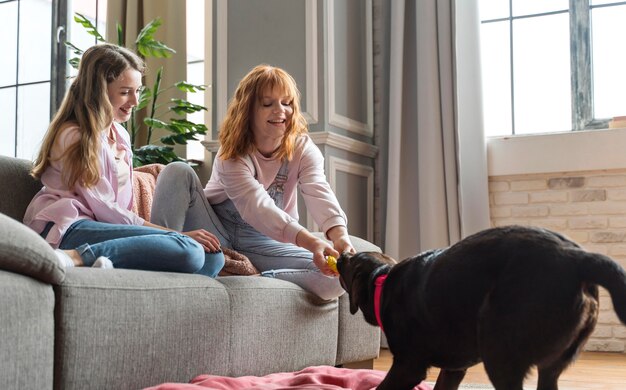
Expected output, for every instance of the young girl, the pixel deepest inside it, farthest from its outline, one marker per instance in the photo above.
(85, 166)
(265, 155)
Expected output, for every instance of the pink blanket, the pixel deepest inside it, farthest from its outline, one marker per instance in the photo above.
(311, 378)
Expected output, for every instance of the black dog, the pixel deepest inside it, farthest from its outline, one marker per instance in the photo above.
(511, 297)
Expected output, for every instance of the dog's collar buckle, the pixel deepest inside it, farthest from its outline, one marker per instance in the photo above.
(378, 291)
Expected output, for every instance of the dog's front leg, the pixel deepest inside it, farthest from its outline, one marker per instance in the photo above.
(403, 375)
(449, 380)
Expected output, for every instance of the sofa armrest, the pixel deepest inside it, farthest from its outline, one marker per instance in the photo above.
(18, 186)
(361, 245)
(24, 252)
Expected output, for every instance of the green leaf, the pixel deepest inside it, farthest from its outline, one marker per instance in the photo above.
(153, 122)
(154, 49)
(181, 139)
(186, 87)
(168, 140)
(74, 49)
(91, 29)
(184, 131)
(181, 125)
(120, 34)
(74, 62)
(181, 107)
(147, 32)
(154, 154)
(148, 46)
(174, 139)
(200, 128)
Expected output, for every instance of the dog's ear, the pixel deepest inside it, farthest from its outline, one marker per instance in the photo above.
(355, 288)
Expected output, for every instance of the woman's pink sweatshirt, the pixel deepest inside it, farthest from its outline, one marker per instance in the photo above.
(245, 181)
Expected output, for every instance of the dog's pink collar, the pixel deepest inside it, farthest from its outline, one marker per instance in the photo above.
(378, 291)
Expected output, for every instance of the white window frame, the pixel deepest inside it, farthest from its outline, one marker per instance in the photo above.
(580, 61)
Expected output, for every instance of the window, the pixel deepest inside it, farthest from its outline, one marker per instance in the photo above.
(25, 78)
(34, 66)
(551, 66)
(95, 11)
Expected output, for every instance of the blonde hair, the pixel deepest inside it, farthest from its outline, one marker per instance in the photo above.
(235, 135)
(87, 104)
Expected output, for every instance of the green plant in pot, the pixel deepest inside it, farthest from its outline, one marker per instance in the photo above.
(152, 107)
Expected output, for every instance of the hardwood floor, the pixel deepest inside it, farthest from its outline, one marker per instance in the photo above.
(592, 371)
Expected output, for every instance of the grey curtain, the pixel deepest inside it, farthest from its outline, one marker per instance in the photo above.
(436, 159)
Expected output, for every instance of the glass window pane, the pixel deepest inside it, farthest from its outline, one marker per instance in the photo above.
(609, 62)
(529, 7)
(8, 44)
(493, 9)
(7, 124)
(496, 70)
(102, 19)
(195, 75)
(195, 30)
(35, 37)
(541, 71)
(33, 117)
(78, 35)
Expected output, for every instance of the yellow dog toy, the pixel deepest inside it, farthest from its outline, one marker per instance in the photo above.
(332, 263)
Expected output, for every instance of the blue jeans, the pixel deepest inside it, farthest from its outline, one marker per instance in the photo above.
(140, 247)
(180, 204)
(276, 259)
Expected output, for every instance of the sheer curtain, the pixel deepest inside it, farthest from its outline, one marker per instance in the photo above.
(133, 15)
(437, 171)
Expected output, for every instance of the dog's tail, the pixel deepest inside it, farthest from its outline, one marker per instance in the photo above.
(604, 271)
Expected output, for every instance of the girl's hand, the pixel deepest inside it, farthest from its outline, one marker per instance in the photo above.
(320, 249)
(208, 240)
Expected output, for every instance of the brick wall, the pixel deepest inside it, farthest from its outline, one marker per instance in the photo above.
(588, 207)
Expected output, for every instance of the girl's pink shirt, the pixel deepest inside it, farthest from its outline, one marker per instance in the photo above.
(103, 202)
(245, 181)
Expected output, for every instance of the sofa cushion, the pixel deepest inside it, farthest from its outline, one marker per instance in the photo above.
(358, 340)
(280, 326)
(130, 329)
(23, 251)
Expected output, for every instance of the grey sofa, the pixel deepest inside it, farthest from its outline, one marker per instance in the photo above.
(86, 328)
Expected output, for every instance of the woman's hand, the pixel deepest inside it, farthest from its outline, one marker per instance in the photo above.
(343, 244)
(320, 249)
(208, 240)
(341, 240)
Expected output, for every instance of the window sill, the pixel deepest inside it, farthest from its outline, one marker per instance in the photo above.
(558, 152)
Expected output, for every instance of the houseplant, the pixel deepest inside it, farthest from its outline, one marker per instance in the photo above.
(152, 111)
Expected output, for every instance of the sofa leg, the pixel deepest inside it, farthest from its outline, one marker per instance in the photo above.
(363, 364)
